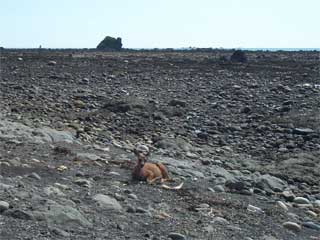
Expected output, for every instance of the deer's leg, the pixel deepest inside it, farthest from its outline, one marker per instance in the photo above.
(151, 178)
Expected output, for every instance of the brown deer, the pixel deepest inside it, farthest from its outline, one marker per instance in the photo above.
(150, 172)
(145, 171)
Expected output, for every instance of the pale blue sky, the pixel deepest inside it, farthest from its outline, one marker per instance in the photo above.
(161, 23)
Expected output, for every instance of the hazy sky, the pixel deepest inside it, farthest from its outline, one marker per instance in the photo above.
(160, 23)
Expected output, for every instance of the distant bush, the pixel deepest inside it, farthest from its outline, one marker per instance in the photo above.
(223, 59)
(239, 56)
(110, 43)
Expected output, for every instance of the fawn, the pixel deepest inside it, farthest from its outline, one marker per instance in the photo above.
(145, 171)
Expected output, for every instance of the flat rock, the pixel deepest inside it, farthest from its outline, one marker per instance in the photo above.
(177, 236)
(292, 226)
(107, 202)
(19, 214)
(15, 130)
(4, 186)
(267, 181)
(54, 213)
(282, 205)
(302, 131)
(301, 200)
(83, 182)
(87, 157)
(4, 206)
(311, 225)
(218, 188)
(53, 191)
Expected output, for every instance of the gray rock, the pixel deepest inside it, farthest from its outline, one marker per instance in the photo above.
(52, 63)
(53, 191)
(316, 203)
(292, 226)
(311, 225)
(131, 209)
(267, 181)
(302, 131)
(35, 176)
(177, 236)
(87, 157)
(5, 186)
(218, 188)
(4, 206)
(142, 210)
(288, 195)
(269, 238)
(19, 214)
(107, 202)
(301, 200)
(133, 196)
(311, 213)
(236, 184)
(59, 232)
(83, 182)
(255, 209)
(219, 181)
(220, 220)
(177, 102)
(119, 197)
(54, 213)
(15, 130)
(282, 205)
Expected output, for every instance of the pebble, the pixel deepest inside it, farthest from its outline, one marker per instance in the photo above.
(4, 206)
(127, 191)
(288, 195)
(218, 188)
(133, 196)
(35, 176)
(177, 236)
(119, 197)
(131, 209)
(311, 225)
(220, 220)
(19, 214)
(59, 232)
(142, 210)
(265, 237)
(52, 63)
(83, 182)
(107, 202)
(252, 208)
(292, 226)
(301, 200)
(282, 205)
(311, 213)
(317, 203)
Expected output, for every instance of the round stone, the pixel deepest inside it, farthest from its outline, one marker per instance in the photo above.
(301, 200)
(4, 206)
(218, 188)
(292, 226)
(282, 205)
(177, 236)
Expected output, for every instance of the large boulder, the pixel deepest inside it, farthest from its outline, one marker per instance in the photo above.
(110, 43)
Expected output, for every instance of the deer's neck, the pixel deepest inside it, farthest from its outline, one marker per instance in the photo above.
(137, 172)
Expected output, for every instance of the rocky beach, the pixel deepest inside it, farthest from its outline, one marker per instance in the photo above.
(243, 137)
